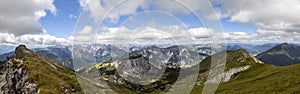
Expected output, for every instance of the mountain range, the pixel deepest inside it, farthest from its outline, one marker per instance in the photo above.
(150, 69)
(97, 53)
(251, 48)
(241, 70)
(6, 49)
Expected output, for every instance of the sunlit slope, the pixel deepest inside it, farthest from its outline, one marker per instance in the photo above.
(48, 76)
(258, 79)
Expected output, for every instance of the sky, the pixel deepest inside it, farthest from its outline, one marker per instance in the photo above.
(63, 22)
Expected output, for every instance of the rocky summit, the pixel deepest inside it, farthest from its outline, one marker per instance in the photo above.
(28, 72)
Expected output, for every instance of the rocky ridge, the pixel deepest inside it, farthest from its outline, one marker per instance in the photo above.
(28, 72)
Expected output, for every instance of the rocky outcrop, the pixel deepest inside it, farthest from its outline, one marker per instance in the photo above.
(227, 75)
(28, 72)
(237, 61)
(15, 79)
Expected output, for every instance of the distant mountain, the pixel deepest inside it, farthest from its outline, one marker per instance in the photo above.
(173, 54)
(124, 68)
(29, 72)
(251, 48)
(281, 55)
(87, 55)
(184, 55)
(6, 48)
(4, 56)
(61, 54)
(6, 51)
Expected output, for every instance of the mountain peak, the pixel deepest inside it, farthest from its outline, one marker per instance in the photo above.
(285, 46)
(21, 51)
(21, 47)
(282, 55)
(234, 59)
(31, 72)
(242, 50)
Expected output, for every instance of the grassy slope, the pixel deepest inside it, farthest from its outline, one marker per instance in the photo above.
(234, 59)
(262, 79)
(48, 79)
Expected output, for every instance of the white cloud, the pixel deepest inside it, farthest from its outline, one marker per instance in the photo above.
(31, 39)
(20, 17)
(71, 16)
(274, 17)
(166, 34)
(116, 8)
(172, 34)
(6, 38)
(85, 36)
(99, 8)
(19, 22)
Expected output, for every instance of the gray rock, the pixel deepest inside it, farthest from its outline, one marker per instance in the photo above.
(15, 80)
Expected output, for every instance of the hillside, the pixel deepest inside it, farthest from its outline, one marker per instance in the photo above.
(281, 55)
(259, 78)
(234, 59)
(31, 72)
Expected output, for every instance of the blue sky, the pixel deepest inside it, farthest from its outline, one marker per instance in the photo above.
(61, 25)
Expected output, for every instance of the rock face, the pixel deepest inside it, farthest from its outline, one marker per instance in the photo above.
(16, 80)
(228, 75)
(281, 55)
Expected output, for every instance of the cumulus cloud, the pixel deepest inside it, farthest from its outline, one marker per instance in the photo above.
(242, 37)
(172, 34)
(272, 17)
(165, 34)
(123, 35)
(113, 9)
(21, 17)
(31, 39)
(85, 36)
(100, 8)
(19, 22)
